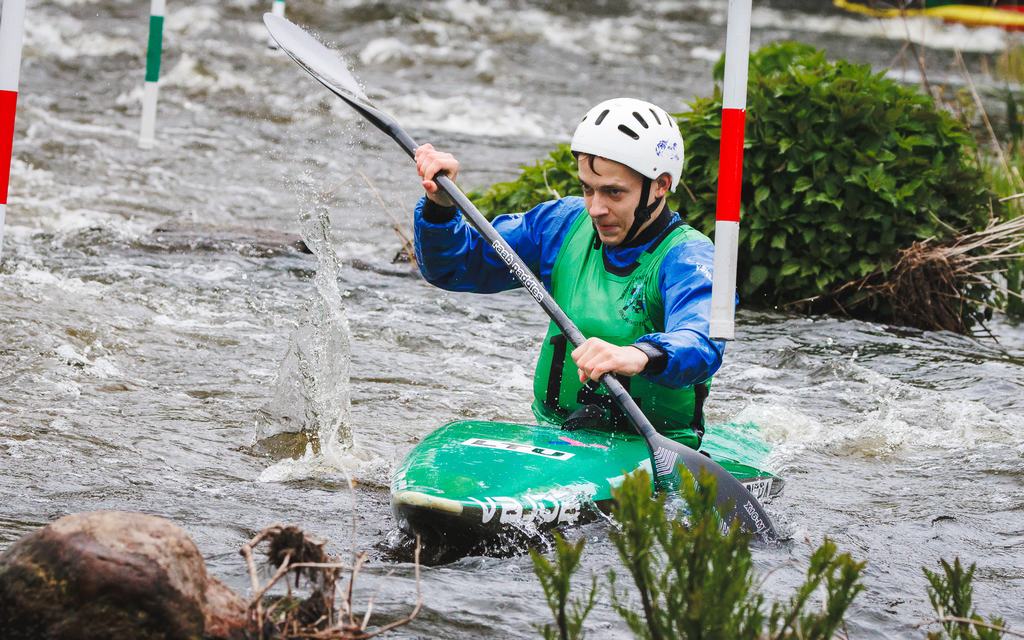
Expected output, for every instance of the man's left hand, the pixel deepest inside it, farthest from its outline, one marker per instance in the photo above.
(595, 357)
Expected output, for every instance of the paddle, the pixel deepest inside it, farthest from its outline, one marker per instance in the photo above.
(327, 67)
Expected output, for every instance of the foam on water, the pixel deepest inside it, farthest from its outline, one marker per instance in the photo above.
(706, 54)
(393, 53)
(358, 464)
(607, 38)
(390, 50)
(68, 124)
(472, 116)
(36, 280)
(192, 21)
(63, 37)
(206, 77)
(100, 367)
(892, 419)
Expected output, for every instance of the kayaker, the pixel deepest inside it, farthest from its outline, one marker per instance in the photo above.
(625, 268)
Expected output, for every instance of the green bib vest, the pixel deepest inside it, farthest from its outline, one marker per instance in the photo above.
(618, 308)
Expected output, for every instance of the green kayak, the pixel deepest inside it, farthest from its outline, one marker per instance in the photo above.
(471, 481)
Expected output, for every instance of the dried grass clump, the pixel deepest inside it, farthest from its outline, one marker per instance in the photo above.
(321, 615)
(941, 285)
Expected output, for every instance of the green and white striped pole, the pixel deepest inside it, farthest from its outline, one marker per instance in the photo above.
(12, 32)
(153, 53)
(278, 10)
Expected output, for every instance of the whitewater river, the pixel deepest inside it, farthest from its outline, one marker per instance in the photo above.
(159, 329)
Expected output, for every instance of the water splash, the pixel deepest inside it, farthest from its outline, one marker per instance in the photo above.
(308, 412)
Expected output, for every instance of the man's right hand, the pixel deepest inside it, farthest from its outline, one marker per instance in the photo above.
(430, 162)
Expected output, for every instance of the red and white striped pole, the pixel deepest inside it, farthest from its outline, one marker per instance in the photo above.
(730, 171)
(12, 32)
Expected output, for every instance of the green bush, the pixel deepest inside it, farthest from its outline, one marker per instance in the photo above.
(552, 177)
(694, 581)
(843, 167)
(556, 581)
(951, 594)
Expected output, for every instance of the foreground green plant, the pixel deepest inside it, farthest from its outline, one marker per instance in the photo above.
(694, 580)
(556, 578)
(951, 593)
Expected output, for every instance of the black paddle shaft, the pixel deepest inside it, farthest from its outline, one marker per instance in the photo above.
(733, 500)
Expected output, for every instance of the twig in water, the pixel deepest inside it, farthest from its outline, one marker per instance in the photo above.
(254, 580)
(971, 621)
(419, 598)
(407, 245)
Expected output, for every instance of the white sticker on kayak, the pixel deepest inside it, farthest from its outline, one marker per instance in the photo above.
(760, 488)
(515, 512)
(518, 447)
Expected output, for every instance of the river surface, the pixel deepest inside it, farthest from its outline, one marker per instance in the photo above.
(159, 329)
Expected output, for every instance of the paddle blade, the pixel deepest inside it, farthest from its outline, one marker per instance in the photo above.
(734, 500)
(328, 68)
(320, 62)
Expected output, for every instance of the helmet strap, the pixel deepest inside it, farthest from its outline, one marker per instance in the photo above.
(643, 211)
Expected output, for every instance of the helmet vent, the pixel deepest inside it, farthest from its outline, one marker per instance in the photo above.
(629, 132)
(601, 117)
(655, 114)
(642, 122)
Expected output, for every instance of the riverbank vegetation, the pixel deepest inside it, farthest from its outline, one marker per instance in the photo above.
(690, 580)
(862, 196)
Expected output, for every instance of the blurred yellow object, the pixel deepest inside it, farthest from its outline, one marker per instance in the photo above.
(1007, 17)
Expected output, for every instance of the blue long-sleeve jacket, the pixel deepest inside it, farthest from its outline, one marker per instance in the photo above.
(454, 256)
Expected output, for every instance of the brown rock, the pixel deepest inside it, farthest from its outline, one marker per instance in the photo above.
(112, 575)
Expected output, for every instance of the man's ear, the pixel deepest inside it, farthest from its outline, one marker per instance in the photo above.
(662, 185)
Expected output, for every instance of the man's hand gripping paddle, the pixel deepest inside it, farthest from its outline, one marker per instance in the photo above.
(327, 67)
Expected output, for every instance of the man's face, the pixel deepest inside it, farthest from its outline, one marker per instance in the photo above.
(611, 192)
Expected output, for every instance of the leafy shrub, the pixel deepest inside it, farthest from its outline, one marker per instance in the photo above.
(693, 580)
(843, 167)
(951, 593)
(552, 177)
(696, 581)
(555, 579)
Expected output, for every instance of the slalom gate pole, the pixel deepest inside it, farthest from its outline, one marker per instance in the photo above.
(278, 10)
(730, 171)
(12, 33)
(151, 89)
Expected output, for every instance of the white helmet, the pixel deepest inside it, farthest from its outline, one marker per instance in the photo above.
(635, 133)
